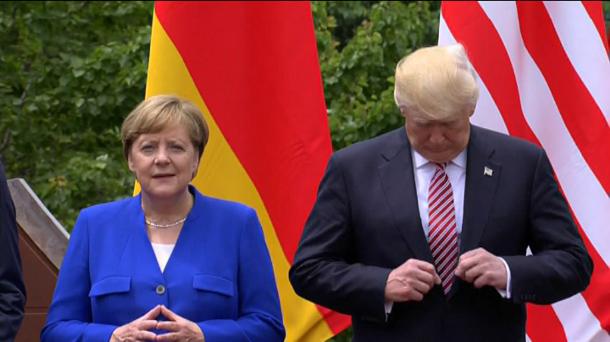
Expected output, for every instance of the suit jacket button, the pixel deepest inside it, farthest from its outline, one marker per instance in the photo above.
(160, 289)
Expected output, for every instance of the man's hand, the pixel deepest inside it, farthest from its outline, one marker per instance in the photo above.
(482, 268)
(138, 330)
(179, 328)
(411, 281)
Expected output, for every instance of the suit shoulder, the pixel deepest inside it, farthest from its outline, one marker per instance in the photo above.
(371, 148)
(504, 142)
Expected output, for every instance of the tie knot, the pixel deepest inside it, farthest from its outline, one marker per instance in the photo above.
(440, 166)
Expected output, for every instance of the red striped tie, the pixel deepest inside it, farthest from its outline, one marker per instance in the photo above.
(442, 237)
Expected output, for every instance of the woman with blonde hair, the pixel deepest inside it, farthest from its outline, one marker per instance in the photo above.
(170, 264)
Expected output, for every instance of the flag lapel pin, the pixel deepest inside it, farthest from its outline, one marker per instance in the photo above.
(488, 172)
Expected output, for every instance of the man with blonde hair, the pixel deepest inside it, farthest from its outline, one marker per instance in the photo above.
(421, 234)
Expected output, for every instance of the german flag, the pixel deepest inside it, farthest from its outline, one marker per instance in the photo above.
(252, 68)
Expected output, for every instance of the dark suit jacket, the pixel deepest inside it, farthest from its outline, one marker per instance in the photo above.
(366, 222)
(12, 289)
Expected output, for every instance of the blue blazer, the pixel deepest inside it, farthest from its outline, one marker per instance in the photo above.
(219, 274)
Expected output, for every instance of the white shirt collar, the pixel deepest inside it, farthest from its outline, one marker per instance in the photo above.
(420, 161)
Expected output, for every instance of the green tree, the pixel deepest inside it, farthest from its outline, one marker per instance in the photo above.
(358, 66)
(359, 44)
(70, 72)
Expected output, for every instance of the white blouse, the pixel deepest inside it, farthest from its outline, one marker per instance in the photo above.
(163, 252)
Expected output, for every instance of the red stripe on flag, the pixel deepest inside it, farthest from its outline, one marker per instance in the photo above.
(543, 325)
(597, 295)
(470, 26)
(595, 11)
(256, 67)
(337, 322)
(581, 114)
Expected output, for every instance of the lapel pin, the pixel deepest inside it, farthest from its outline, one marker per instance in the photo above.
(488, 172)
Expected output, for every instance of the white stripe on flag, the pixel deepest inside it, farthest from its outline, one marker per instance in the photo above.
(579, 323)
(586, 196)
(586, 50)
(486, 113)
(582, 189)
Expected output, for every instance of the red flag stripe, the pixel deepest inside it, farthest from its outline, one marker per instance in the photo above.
(243, 111)
(543, 324)
(581, 114)
(595, 294)
(470, 26)
(267, 101)
(543, 115)
(587, 52)
(596, 13)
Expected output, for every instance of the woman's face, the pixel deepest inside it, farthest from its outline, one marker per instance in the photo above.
(165, 162)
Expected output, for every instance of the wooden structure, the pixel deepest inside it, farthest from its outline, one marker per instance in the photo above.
(42, 244)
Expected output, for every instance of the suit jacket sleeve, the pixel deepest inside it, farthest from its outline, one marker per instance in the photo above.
(260, 317)
(69, 317)
(560, 265)
(12, 289)
(323, 270)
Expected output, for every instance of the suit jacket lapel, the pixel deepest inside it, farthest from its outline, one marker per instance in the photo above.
(482, 176)
(396, 173)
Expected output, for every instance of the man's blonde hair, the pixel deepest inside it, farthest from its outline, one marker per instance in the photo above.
(159, 112)
(438, 82)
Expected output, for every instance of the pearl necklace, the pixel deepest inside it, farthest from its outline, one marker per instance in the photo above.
(163, 226)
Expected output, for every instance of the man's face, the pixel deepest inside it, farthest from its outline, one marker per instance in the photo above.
(437, 140)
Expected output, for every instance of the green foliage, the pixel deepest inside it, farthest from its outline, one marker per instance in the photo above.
(70, 73)
(358, 66)
(359, 44)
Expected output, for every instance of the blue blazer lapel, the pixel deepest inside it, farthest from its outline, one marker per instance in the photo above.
(482, 176)
(396, 173)
(138, 252)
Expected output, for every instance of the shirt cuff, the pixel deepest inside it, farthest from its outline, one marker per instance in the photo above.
(504, 293)
(388, 305)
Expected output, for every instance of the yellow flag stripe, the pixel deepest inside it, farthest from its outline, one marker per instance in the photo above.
(222, 175)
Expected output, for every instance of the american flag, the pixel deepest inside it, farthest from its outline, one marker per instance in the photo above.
(544, 74)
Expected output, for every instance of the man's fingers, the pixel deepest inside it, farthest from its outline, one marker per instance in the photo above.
(420, 286)
(473, 273)
(471, 259)
(422, 265)
(482, 280)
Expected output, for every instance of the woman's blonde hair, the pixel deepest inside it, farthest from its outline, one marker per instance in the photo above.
(438, 82)
(159, 112)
